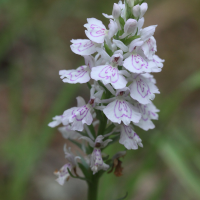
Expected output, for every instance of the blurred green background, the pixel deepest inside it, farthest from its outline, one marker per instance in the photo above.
(34, 45)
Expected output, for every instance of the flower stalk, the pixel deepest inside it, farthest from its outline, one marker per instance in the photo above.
(93, 187)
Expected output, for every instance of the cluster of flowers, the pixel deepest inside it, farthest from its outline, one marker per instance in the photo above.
(119, 61)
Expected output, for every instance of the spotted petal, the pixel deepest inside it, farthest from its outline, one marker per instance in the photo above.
(109, 74)
(83, 47)
(143, 88)
(79, 75)
(96, 31)
(63, 174)
(149, 48)
(97, 161)
(137, 64)
(157, 64)
(77, 117)
(121, 111)
(129, 138)
(148, 112)
(67, 133)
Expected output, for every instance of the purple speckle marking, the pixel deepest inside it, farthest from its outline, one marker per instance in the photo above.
(97, 31)
(80, 113)
(109, 72)
(128, 131)
(138, 62)
(143, 111)
(84, 46)
(122, 109)
(75, 75)
(142, 88)
(150, 44)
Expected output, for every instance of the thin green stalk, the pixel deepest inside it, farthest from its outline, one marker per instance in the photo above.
(93, 187)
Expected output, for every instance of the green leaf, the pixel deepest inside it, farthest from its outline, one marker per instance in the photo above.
(178, 165)
(86, 171)
(122, 22)
(109, 52)
(127, 41)
(89, 85)
(109, 129)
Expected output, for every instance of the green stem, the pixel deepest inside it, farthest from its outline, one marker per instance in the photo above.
(93, 187)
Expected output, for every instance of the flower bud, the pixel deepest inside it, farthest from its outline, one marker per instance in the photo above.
(113, 28)
(116, 11)
(130, 26)
(130, 3)
(143, 9)
(136, 10)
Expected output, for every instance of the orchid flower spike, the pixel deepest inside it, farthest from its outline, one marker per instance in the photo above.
(119, 62)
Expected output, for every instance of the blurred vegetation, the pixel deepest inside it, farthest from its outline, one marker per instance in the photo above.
(34, 44)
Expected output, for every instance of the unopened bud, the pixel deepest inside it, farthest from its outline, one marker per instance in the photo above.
(130, 26)
(143, 9)
(136, 10)
(130, 3)
(116, 11)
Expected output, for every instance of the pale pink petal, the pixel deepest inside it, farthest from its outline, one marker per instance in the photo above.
(89, 61)
(63, 174)
(148, 112)
(156, 63)
(143, 89)
(109, 74)
(147, 32)
(97, 161)
(107, 16)
(96, 30)
(83, 47)
(135, 43)
(79, 75)
(113, 28)
(56, 121)
(140, 23)
(80, 101)
(129, 138)
(121, 45)
(67, 133)
(149, 48)
(121, 111)
(137, 64)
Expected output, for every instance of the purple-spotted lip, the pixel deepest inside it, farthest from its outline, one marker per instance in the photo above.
(122, 106)
(80, 113)
(83, 47)
(128, 131)
(75, 75)
(143, 110)
(139, 61)
(109, 72)
(97, 31)
(142, 88)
